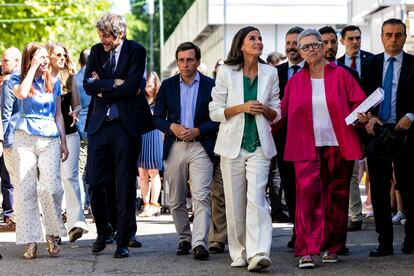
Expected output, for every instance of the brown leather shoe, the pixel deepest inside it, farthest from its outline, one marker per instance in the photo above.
(10, 226)
(355, 226)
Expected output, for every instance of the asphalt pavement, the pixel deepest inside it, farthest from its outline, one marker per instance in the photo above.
(157, 256)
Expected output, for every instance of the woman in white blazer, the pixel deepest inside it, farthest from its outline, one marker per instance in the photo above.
(245, 102)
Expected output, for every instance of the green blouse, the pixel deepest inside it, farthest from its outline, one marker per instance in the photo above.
(250, 135)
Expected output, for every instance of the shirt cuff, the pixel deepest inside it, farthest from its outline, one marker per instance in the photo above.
(410, 115)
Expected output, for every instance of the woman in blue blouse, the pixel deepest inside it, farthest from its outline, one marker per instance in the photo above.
(37, 153)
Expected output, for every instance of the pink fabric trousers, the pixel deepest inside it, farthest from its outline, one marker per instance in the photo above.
(322, 192)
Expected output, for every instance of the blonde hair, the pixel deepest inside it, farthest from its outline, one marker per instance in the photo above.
(66, 74)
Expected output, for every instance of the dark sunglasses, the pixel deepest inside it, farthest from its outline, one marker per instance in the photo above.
(60, 55)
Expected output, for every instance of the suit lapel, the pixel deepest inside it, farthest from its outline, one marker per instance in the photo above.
(176, 94)
(262, 79)
(238, 85)
(200, 94)
(405, 66)
(123, 57)
(107, 65)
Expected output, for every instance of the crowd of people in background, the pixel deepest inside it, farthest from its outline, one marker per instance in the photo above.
(257, 129)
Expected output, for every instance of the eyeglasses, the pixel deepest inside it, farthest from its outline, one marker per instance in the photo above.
(60, 55)
(315, 45)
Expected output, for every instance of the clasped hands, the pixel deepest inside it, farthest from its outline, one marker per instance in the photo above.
(183, 133)
(117, 82)
(254, 107)
(403, 124)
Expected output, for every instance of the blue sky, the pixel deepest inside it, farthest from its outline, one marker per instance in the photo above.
(121, 6)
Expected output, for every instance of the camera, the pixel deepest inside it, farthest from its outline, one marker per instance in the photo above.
(384, 142)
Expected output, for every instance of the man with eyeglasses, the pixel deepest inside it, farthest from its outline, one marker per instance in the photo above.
(287, 174)
(354, 56)
(393, 70)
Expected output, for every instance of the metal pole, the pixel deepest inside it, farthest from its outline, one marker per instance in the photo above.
(225, 26)
(161, 34)
(151, 42)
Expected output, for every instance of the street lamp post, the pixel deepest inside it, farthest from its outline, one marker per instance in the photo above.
(150, 10)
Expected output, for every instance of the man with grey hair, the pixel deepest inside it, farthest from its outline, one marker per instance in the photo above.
(11, 60)
(119, 117)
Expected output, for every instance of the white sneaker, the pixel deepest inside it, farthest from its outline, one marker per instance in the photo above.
(369, 214)
(398, 217)
(403, 221)
(259, 262)
(239, 262)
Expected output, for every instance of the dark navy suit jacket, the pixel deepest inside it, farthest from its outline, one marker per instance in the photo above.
(168, 110)
(134, 112)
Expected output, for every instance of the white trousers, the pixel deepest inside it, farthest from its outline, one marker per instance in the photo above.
(189, 161)
(249, 225)
(37, 179)
(70, 180)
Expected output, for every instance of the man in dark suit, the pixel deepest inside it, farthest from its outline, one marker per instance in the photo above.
(392, 70)
(181, 112)
(120, 114)
(354, 56)
(287, 174)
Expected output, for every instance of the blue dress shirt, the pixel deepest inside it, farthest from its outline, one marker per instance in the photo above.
(37, 113)
(188, 101)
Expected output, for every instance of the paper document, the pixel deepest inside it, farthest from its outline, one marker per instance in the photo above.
(373, 100)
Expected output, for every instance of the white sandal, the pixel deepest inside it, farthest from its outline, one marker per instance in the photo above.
(306, 262)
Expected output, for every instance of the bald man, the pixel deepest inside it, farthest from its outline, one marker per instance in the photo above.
(11, 59)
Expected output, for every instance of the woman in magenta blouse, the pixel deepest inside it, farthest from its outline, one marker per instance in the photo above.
(323, 149)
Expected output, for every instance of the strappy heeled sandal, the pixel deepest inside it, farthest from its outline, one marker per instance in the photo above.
(52, 246)
(30, 251)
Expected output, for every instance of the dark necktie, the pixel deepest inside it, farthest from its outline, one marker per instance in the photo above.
(353, 63)
(295, 69)
(113, 61)
(385, 109)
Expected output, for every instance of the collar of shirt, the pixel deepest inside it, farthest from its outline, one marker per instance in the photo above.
(398, 58)
(196, 78)
(117, 52)
(300, 64)
(348, 57)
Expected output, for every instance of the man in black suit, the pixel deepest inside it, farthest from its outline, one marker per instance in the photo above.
(181, 112)
(287, 174)
(354, 56)
(392, 70)
(120, 114)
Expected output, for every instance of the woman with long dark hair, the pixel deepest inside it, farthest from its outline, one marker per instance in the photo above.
(245, 101)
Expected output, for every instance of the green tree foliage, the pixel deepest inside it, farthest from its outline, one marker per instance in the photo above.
(173, 12)
(70, 22)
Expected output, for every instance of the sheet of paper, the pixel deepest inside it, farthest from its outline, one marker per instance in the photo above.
(373, 100)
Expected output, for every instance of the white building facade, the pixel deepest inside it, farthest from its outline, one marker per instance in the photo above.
(211, 24)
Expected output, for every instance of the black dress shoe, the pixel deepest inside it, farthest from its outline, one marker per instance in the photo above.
(216, 247)
(381, 251)
(200, 253)
(133, 242)
(344, 251)
(407, 246)
(99, 244)
(281, 217)
(183, 248)
(355, 226)
(291, 243)
(121, 252)
(110, 239)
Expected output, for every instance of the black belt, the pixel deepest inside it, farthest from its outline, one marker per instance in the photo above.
(190, 141)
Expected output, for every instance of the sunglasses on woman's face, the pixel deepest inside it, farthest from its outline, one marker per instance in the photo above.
(60, 55)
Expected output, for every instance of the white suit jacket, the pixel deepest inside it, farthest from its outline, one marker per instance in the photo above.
(228, 92)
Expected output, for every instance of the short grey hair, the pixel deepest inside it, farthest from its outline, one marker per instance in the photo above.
(112, 23)
(309, 32)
